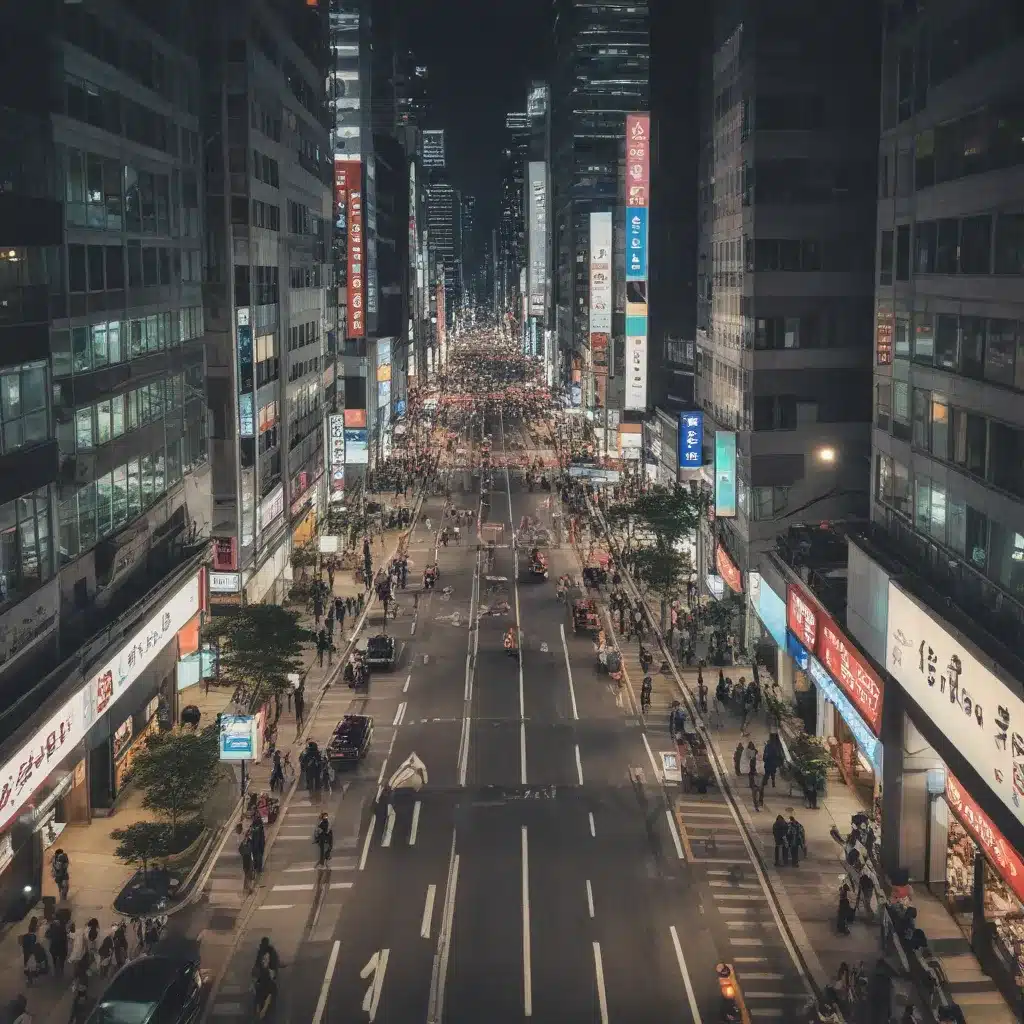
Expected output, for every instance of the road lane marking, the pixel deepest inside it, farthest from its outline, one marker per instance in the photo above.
(415, 823)
(737, 941)
(332, 963)
(276, 906)
(522, 753)
(602, 997)
(658, 772)
(568, 671)
(375, 968)
(366, 844)
(590, 898)
(464, 751)
(766, 976)
(579, 765)
(389, 826)
(408, 679)
(590, 819)
(428, 912)
(676, 841)
(305, 867)
(292, 888)
(439, 972)
(527, 955)
(399, 714)
(522, 692)
(687, 984)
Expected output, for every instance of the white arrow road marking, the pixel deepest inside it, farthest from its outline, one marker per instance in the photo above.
(428, 912)
(375, 967)
(389, 827)
(321, 1003)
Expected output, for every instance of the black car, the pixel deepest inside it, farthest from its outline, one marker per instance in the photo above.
(152, 990)
(380, 651)
(350, 740)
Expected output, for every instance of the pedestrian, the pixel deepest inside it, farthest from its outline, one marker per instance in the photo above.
(33, 956)
(737, 758)
(80, 992)
(771, 760)
(339, 614)
(751, 761)
(79, 948)
(780, 835)
(865, 892)
(258, 841)
(277, 773)
(300, 708)
(844, 911)
(677, 722)
(797, 840)
(57, 940)
(323, 836)
(245, 852)
(756, 792)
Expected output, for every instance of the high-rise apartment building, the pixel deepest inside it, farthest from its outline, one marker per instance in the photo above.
(268, 216)
(601, 74)
(786, 248)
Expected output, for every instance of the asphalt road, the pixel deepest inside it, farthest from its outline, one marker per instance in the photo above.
(540, 873)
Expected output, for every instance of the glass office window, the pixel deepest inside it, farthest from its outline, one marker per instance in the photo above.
(940, 427)
(87, 515)
(100, 351)
(84, 433)
(119, 496)
(81, 350)
(1001, 351)
(104, 506)
(114, 341)
(117, 416)
(148, 490)
(67, 518)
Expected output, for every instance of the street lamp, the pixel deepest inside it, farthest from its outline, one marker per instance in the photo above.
(827, 455)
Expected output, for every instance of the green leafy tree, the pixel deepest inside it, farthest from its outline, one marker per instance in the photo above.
(306, 556)
(663, 517)
(177, 771)
(260, 646)
(141, 843)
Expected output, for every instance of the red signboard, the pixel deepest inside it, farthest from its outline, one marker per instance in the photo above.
(638, 158)
(356, 263)
(999, 852)
(802, 617)
(355, 418)
(225, 554)
(728, 570)
(848, 668)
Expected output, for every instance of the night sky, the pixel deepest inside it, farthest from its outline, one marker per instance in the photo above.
(481, 55)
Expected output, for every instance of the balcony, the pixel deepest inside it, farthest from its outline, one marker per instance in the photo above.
(818, 556)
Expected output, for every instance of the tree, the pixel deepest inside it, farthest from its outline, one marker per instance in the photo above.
(666, 515)
(177, 771)
(306, 556)
(141, 843)
(260, 646)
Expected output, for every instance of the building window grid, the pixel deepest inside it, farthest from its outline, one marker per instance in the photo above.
(24, 419)
(25, 548)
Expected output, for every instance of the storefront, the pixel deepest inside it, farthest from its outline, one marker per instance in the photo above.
(847, 693)
(768, 629)
(304, 510)
(268, 582)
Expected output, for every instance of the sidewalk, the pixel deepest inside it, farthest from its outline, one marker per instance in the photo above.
(808, 894)
(97, 876)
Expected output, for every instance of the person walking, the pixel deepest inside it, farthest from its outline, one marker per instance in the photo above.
(245, 852)
(300, 709)
(258, 839)
(771, 761)
(57, 941)
(754, 781)
(797, 840)
(323, 836)
(780, 835)
(677, 722)
(79, 949)
(277, 773)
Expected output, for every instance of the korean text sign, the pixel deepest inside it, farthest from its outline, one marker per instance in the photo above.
(802, 617)
(981, 715)
(28, 769)
(356, 253)
(638, 159)
(691, 440)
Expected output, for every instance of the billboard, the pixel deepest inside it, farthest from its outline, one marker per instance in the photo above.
(336, 452)
(725, 474)
(433, 148)
(538, 236)
(600, 274)
(638, 174)
(691, 440)
(355, 417)
(357, 449)
(356, 254)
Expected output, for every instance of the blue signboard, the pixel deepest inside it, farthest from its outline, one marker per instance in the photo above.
(797, 652)
(725, 474)
(357, 451)
(399, 406)
(691, 440)
(576, 392)
(636, 327)
(237, 737)
(636, 243)
(866, 739)
(770, 608)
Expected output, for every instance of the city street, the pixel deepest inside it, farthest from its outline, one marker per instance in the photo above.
(541, 871)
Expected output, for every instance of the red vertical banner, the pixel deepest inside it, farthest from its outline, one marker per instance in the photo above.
(356, 266)
(638, 158)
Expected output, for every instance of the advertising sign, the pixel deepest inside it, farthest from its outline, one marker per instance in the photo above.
(867, 742)
(271, 507)
(728, 569)
(849, 669)
(636, 372)
(357, 450)
(636, 244)
(225, 582)
(802, 617)
(336, 451)
(725, 474)
(600, 274)
(356, 254)
(1005, 858)
(355, 417)
(225, 554)
(691, 440)
(770, 608)
(238, 740)
(638, 159)
(981, 715)
(537, 239)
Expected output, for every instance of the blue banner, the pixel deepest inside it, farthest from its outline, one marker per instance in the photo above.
(770, 608)
(636, 327)
(725, 474)
(636, 243)
(869, 744)
(691, 440)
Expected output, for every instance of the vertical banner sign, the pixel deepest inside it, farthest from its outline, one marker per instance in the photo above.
(538, 236)
(725, 474)
(246, 401)
(356, 253)
(336, 454)
(600, 289)
(638, 180)
(691, 440)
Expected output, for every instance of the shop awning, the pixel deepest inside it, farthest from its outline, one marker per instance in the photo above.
(869, 744)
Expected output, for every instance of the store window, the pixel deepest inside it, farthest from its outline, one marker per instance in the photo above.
(23, 413)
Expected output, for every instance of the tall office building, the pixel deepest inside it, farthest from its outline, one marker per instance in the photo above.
(104, 478)
(511, 214)
(268, 215)
(786, 250)
(601, 74)
(470, 263)
(444, 231)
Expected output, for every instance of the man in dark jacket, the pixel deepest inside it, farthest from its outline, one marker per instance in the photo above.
(677, 721)
(780, 834)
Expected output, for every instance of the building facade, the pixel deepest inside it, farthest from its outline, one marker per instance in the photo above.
(511, 214)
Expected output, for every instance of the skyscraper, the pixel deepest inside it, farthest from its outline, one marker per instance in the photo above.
(444, 228)
(511, 215)
(469, 256)
(601, 74)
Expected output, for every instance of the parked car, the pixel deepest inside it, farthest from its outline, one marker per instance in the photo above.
(153, 990)
(350, 740)
(381, 651)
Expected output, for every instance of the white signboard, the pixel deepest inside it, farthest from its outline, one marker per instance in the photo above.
(336, 441)
(601, 273)
(23, 773)
(537, 239)
(636, 373)
(982, 717)
(225, 582)
(271, 506)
